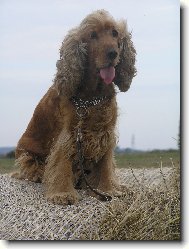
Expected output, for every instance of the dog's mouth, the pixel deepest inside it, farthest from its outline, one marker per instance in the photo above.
(107, 74)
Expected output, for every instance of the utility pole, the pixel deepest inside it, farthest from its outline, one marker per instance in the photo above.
(133, 142)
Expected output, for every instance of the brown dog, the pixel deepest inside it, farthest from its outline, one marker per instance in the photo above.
(81, 108)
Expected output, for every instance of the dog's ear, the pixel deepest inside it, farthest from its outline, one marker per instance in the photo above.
(71, 66)
(125, 70)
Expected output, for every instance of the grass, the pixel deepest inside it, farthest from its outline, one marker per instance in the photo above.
(7, 165)
(146, 213)
(147, 159)
(134, 160)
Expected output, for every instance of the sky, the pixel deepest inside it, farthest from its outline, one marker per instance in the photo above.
(31, 33)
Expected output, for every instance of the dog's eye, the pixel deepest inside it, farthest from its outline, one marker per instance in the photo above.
(93, 35)
(114, 33)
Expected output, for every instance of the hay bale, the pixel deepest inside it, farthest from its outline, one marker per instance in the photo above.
(26, 215)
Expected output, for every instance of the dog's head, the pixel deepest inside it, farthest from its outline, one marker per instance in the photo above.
(101, 46)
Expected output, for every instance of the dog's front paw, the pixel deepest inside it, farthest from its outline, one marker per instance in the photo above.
(116, 193)
(112, 192)
(64, 198)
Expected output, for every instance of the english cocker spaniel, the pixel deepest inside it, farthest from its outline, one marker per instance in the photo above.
(69, 142)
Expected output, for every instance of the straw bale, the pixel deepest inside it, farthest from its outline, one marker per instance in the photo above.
(25, 214)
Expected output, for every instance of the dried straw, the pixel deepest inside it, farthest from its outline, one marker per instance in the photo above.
(146, 211)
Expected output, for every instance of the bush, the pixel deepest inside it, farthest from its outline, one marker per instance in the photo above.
(11, 154)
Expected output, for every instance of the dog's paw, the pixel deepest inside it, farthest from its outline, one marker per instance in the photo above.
(64, 198)
(35, 177)
(116, 193)
(15, 175)
(113, 192)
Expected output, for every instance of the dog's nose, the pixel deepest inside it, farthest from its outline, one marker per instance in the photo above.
(112, 54)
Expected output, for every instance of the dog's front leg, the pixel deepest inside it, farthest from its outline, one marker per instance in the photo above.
(59, 179)
(107, 175)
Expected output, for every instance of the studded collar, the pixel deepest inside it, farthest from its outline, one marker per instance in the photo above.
(83, 105)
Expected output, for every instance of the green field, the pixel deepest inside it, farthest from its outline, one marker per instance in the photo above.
(130, 160)
(148, 159)
(7, 165)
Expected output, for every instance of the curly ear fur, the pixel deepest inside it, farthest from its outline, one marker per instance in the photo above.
(125, 70)
(70, 67)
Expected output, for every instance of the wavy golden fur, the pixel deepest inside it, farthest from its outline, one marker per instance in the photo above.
(91, 56)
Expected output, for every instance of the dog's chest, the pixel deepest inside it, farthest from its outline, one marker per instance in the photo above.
(97, 131)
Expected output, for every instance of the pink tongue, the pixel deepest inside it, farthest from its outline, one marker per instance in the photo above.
(107, 74)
